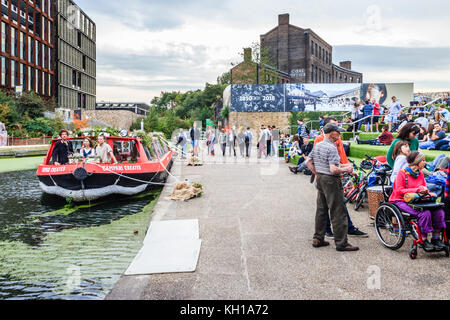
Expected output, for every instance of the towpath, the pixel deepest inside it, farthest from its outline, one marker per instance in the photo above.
(256, 223)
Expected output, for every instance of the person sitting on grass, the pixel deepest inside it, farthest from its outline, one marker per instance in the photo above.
(423, 134)
(437, 135)
(385, 139)
(306, 149)
(408, 133)
(295, 149)
(411, 180)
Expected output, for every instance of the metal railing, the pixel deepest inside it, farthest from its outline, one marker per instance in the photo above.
(12, 141)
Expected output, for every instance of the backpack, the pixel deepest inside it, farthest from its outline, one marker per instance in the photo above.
(247, 138)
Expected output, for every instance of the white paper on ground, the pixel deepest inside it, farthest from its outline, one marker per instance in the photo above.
(166, 257)
(172, 229)
(169, 247)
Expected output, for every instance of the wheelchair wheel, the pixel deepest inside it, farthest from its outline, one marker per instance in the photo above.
(390, 226)
(413, 253)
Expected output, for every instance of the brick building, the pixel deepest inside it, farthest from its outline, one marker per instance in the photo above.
(27, 46)
(305, 56)
(250, 72)
(48, 46)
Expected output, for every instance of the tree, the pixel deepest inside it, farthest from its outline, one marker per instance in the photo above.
(31, 103)
(224, 78)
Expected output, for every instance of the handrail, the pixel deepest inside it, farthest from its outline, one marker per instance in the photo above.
(424, 106)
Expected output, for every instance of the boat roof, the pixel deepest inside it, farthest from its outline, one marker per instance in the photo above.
(111, 137)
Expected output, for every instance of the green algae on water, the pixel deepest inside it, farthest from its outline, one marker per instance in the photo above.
(96, 255)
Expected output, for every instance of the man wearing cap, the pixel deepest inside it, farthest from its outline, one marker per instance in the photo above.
(324, 162)
(352, 230)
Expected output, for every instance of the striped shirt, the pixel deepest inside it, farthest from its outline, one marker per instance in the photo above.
(324, 154)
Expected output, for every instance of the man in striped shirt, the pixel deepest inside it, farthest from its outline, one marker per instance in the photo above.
(324, 162)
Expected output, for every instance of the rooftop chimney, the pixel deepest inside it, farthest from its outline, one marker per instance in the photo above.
(247, 54)
(346, 64)
(283, 19)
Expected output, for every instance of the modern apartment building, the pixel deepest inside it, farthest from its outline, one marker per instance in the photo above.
(76, 57)
(27, 46)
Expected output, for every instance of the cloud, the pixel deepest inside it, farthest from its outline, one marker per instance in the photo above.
(145, 47)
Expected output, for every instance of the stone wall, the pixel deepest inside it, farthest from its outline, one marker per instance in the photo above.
(120, 119)
(254, 120)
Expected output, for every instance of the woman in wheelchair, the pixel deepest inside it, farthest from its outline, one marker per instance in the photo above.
(410, 183)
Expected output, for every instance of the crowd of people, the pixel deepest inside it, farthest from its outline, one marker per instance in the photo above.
(327, 161)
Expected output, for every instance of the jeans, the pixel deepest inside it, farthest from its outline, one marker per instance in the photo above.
(374, 142)
(351, 227)
(427, 145)
(432, 166)
(301, 164)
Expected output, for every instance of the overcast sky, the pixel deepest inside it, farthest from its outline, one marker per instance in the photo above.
(145, 47)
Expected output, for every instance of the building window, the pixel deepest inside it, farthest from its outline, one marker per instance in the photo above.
(4, 71)
(13, 73)
(312, 73)
(74, 78)
(4, 37)
(79, 80)
(315, 48)
(84, 62)
(30, 77)
(345, 78)
(13, 42)
(79, 39)
(312, 47)
(21, 75)
(79, 100)
(22, 46)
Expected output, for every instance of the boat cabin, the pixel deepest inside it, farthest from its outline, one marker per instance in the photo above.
(126, 150)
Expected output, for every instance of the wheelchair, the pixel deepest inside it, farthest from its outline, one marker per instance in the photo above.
(393, 226)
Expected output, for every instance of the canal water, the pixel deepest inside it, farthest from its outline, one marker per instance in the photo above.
(51, 250)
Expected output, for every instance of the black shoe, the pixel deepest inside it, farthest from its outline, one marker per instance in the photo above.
(357, 233)
(329, 235)
(293, 169)
(347, 248)
(438, 244)
(428, 246)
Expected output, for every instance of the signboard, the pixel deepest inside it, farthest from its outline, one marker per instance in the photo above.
(257, 98)
(301, 97)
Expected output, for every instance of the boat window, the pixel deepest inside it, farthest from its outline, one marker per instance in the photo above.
(157, 147)
(125, 151)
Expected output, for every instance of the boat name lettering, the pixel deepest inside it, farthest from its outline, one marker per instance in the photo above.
(54, 169)
(121, 168)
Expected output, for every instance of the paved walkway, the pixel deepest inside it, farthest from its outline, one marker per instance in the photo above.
(257, 222)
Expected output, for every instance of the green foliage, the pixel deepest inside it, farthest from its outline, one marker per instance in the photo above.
(42, 126)
(224, 78)
(225, 112)
(359, 151)
(23, 115)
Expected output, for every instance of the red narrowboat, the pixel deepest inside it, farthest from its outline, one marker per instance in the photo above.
(139, 167)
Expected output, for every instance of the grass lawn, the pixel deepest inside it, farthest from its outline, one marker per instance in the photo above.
(359, 151)
(20, 164)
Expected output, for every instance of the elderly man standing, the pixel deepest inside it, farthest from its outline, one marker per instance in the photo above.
(324, 162)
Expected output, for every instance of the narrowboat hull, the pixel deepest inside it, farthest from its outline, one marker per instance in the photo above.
(91, 181)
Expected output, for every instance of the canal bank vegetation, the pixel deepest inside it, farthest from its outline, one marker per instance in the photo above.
(24, 115)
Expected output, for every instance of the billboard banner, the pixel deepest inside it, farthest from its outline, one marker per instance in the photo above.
(257, 98)
(313, 96)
